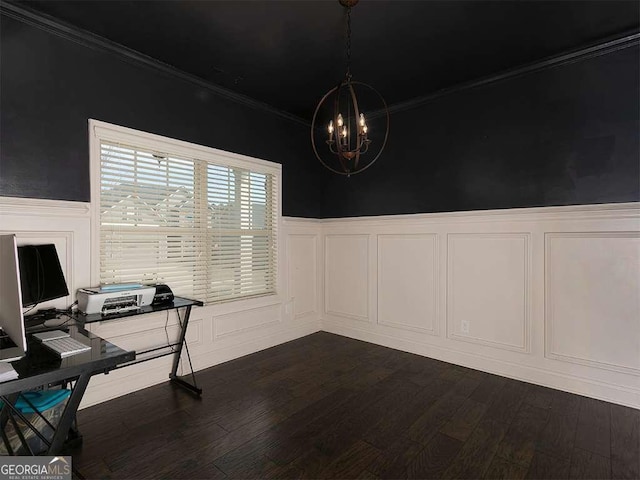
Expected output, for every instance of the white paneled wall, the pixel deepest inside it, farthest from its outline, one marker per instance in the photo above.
(546, 295)
(216, 333)
(488, 289)
(592, 315)
(408, 282)
(304, 270)
(347, 276)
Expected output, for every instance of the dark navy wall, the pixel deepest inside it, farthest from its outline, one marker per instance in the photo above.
(566, 135)
(51, 86)
(563, 136)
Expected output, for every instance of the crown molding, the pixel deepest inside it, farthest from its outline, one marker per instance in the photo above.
(85, 38)
(96, 42)
(604, 47)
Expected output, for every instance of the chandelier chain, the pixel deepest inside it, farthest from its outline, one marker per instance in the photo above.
(349, 43)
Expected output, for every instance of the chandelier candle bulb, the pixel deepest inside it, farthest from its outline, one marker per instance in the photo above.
(340, 121)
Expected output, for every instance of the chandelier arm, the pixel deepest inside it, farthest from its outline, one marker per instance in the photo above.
(386, 135)
(356, 159)
(341, 159)
(313, 128)
(333, 150)
(336, 112)
(345, 172)
(356, 111)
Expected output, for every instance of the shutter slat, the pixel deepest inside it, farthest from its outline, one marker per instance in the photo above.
(206, 230)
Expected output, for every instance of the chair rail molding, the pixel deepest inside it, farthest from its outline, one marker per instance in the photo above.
(38, 206)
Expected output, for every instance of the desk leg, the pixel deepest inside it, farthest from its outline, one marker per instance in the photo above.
(176, 359)
(69, 414)
(4, 413)
(4, 419)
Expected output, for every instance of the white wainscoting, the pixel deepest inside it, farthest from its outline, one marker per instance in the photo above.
(216, 333)
(545, 295)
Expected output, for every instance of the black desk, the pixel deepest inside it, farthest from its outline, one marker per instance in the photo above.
(175, 348)
(42, 368)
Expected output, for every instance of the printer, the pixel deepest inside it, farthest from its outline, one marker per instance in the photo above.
(110, 299)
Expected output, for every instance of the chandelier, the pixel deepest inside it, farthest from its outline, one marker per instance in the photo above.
(343, 138)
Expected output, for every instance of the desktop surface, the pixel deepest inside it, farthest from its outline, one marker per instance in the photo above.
(41, 364)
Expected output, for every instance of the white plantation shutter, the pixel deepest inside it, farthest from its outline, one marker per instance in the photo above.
(206, 230)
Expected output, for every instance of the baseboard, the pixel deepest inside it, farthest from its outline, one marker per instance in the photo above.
(222, 355)
(526, 373)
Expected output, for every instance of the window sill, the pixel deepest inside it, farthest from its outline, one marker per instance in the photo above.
(234, 306)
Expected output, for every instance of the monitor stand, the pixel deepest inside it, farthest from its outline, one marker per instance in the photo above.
(9, 351)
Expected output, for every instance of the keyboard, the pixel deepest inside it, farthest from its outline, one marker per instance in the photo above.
(64, 347)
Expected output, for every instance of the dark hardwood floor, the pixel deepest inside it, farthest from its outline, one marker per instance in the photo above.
(326, 406)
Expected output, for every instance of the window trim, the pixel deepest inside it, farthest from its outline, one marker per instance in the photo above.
(102, 131)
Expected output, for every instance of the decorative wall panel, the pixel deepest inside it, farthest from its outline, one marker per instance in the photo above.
(408, 282)
(347, 276)
(593, 299)
(302, 251)
(488, 289)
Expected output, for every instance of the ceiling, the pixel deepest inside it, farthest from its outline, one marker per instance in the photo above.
(289, 53)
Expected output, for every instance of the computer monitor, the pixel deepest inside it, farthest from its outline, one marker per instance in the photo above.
(11, 319)
(41, 276)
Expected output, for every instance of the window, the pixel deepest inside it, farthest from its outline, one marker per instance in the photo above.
(200, 220)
